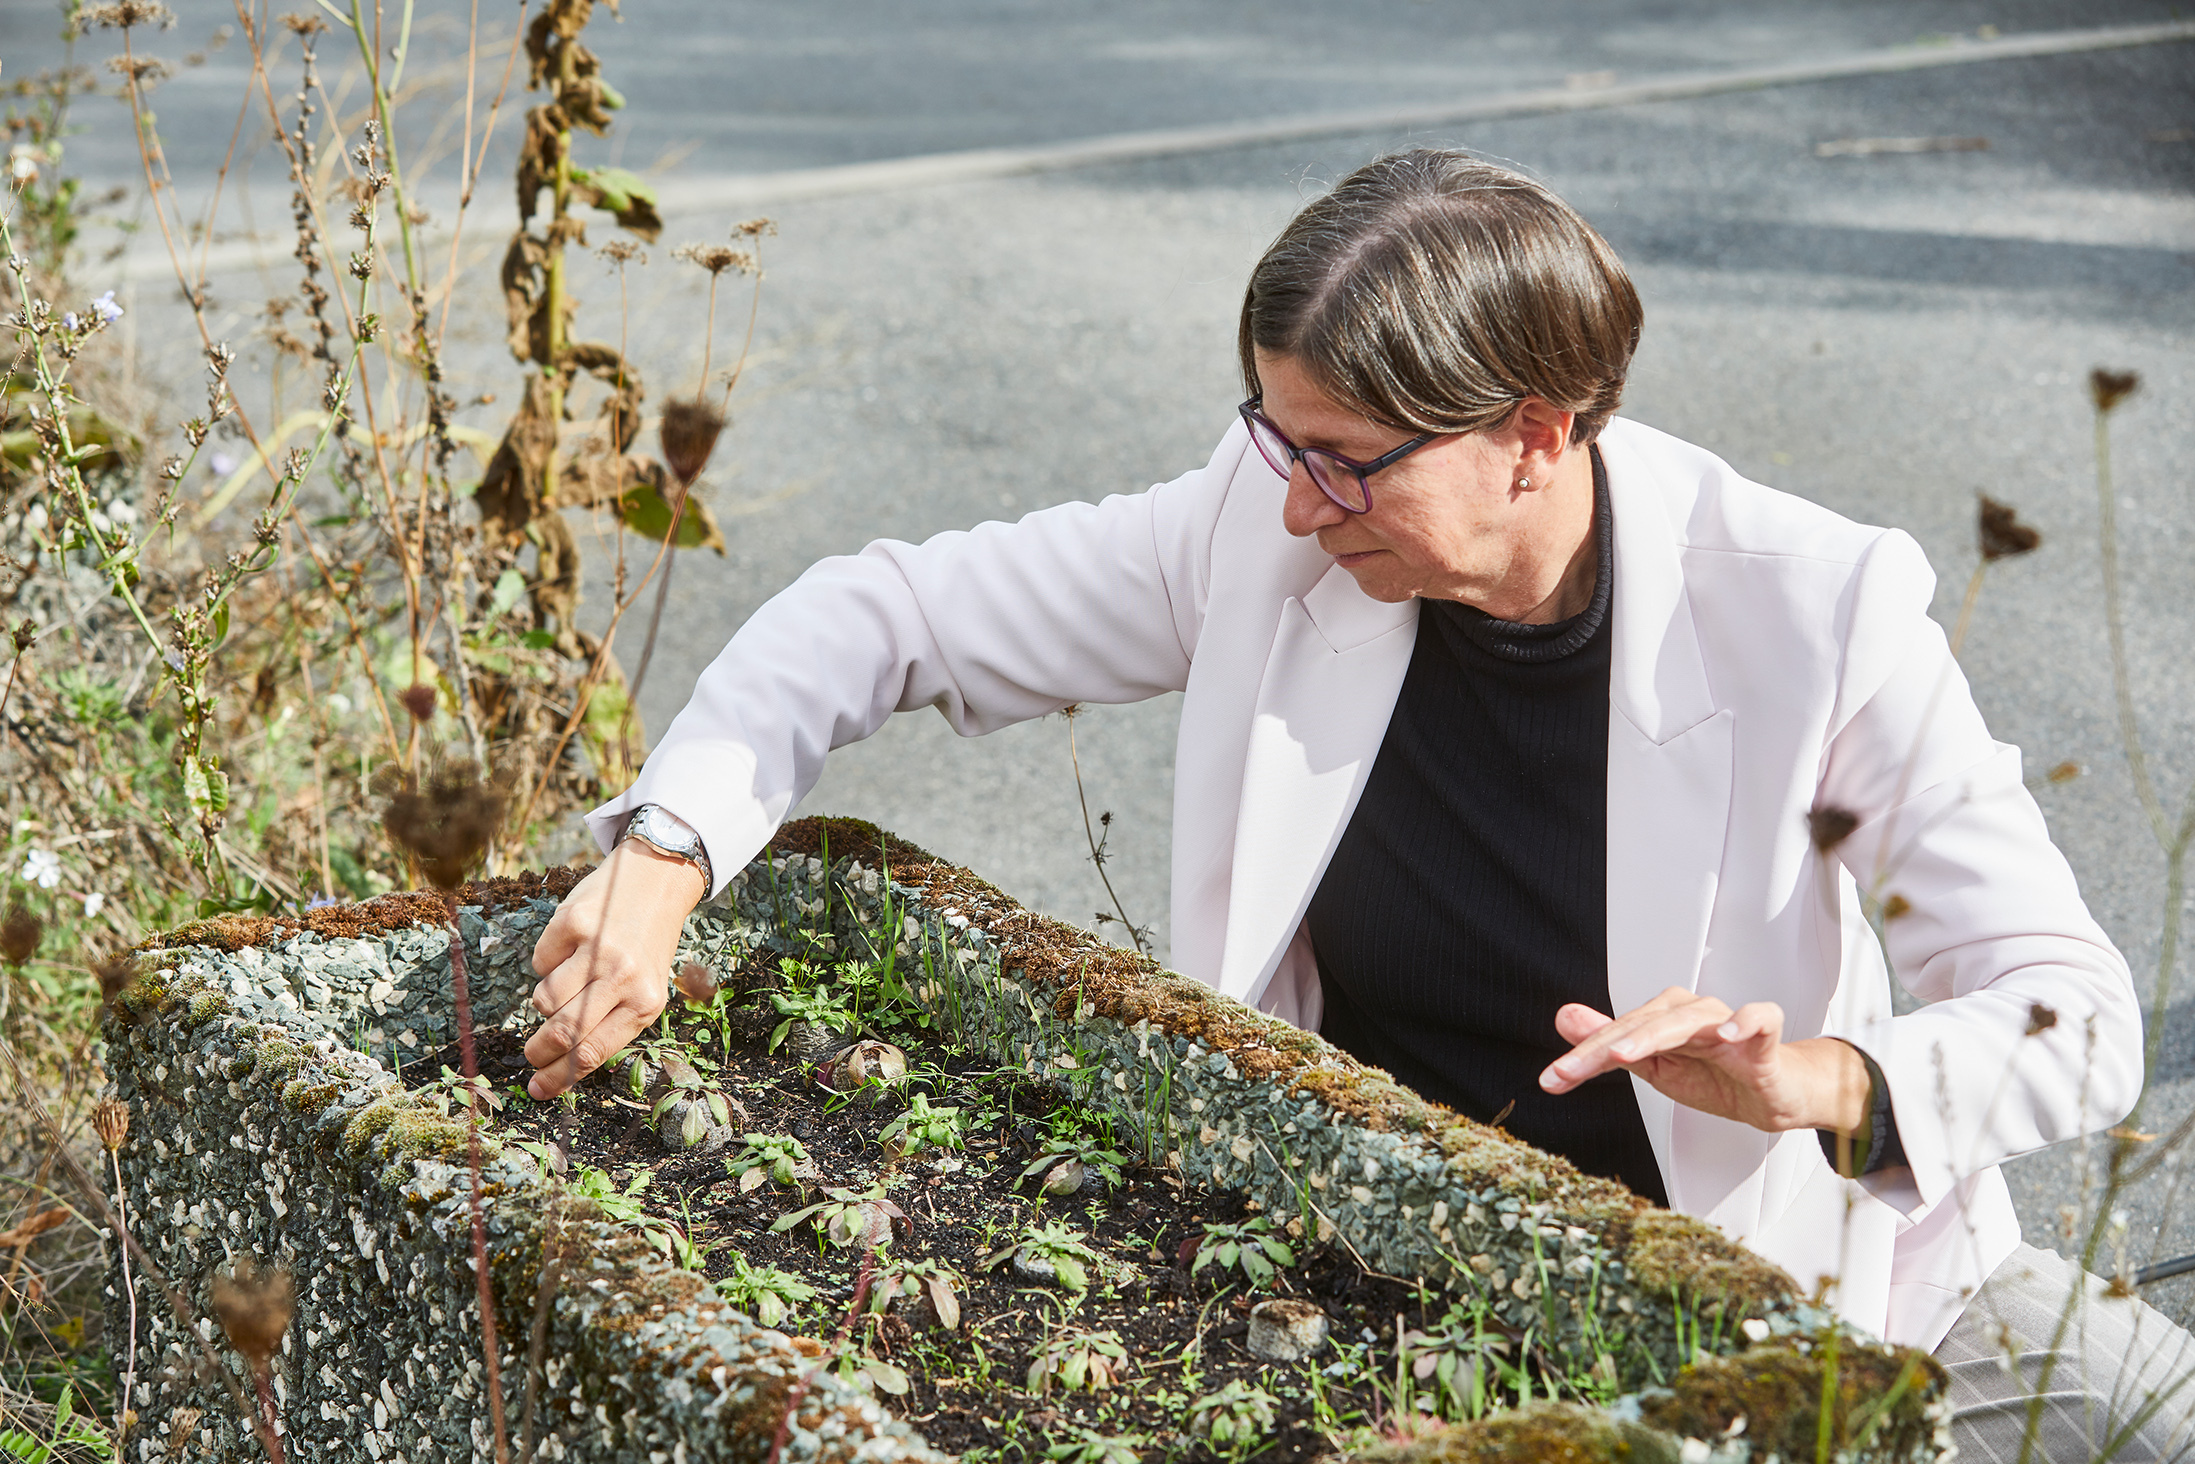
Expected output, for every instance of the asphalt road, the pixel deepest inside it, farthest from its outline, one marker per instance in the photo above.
(1889, 335)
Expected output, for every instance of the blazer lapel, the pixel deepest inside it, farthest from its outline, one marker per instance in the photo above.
(1670, 770)
(1323, 704)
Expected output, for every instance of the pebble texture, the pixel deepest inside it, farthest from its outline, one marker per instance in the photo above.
(267, 1124)
(259, 1130)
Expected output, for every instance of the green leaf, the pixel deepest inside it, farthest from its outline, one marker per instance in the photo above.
(647, 513)
(538, 640)
(1072, 1273)
(220, 625)
(615, 191)
(509, 586)
(885, 1376)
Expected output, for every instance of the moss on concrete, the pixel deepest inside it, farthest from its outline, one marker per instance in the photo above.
(280, 1139)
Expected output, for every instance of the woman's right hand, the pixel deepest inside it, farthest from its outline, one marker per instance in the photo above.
(605, 962)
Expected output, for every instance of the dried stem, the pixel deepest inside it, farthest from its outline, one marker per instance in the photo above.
(129, 1294)
(467, 1056)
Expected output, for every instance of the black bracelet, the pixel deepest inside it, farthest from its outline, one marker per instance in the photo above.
(1876, 1146)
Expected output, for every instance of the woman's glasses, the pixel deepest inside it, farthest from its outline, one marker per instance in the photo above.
(1339, 478)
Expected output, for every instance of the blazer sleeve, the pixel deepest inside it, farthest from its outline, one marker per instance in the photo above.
(993, 625)
(2032, 1031)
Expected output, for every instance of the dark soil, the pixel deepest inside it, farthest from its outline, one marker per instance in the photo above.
(1183, 1331)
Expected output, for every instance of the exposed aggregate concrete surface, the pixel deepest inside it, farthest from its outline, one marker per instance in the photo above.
(267, 1125)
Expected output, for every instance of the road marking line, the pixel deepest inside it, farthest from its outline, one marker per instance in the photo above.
(738, 190)
(984, 163)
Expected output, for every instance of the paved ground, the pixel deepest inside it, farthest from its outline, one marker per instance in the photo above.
(1888, 335)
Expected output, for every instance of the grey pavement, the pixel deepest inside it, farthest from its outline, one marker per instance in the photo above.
(1888, 335)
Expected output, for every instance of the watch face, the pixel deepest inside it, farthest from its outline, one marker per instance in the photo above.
(661, 832)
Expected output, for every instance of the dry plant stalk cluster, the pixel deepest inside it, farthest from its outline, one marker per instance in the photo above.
(378, 678)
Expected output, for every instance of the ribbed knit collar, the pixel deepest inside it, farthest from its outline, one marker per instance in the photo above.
(1514, 641)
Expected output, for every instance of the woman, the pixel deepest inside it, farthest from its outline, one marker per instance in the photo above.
(1527, 752)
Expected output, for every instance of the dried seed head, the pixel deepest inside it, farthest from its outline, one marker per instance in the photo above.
(115, 978)
(20, 933)
(690, 430)
(254, 1305)
(307, 26)
(126, 15)
(144, 70)
(2109, 388)
(716, 258)
(696, 983)
(622, 251)
(2003, 535)
(111, 1119)
(445, 823)
(1829, 826)
(754, 228)
(418, 699)
(2040, 1019)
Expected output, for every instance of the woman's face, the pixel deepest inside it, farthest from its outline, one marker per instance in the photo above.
(1448, 522)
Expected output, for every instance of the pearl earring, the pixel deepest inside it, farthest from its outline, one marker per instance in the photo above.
(1524, 482)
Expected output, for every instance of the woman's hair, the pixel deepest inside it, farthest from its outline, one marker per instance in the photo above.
(1434, 293)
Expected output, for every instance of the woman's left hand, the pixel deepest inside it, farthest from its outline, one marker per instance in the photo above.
(1736, 1065)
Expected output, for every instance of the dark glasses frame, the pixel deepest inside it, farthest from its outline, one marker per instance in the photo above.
(1318, 461)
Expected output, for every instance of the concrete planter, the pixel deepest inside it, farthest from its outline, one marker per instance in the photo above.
(262, 1128)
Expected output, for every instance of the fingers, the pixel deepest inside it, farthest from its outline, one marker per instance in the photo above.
(556, 1072)
(1575, 1023)
(1671, 1020)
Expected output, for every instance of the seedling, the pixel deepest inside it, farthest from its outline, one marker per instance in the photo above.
(1072, 1152)
(453, 1088)
(1237, 1420)
(769, 1294)
(767, 1159)
(847, 1218)
(923, 1127)
(1249, 1246)
(1078, 1360)
(1091, 1447)
(898, 1280)
(1062, 1247)
(815, 1006)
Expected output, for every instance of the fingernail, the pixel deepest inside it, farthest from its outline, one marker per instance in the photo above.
(1728, 1031)
(1550, 1080)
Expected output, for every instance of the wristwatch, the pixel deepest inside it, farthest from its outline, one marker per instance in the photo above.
(667, 833)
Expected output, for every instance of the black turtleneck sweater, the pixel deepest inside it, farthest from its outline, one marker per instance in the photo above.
(1468, 898)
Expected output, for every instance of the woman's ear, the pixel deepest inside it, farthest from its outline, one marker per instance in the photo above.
(1543, 440)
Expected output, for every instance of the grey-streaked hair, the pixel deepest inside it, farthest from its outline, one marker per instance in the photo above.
(1434, 293)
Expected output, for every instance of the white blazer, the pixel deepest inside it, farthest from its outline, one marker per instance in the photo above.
(1769, 657)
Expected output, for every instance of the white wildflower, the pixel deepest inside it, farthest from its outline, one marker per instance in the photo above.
(42, 868)
(93, 904)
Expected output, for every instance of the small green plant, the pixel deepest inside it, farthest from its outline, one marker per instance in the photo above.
(923, 1127)
(452, 1088)
(623, 1206)
(1463, 1364)
(1076, 1148)
(1088, 1446)
(1055, 1244)
(906, 1280)
(1249, 1246)
(814, 1006)
(71, 1432)
(847, 1218)
(1237, 1421)
(767, 1293)
(767, 1159)
(1077, 1360)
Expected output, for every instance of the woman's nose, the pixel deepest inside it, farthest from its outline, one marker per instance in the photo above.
(1307, 509)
